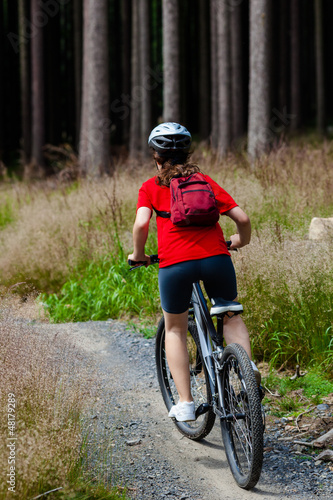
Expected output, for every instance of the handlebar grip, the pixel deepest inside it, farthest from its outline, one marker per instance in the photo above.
(228, 246)
(136, 264)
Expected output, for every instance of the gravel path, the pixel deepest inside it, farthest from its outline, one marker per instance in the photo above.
(133, 442)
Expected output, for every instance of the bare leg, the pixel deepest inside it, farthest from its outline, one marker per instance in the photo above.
(234, 330)
(176, 352)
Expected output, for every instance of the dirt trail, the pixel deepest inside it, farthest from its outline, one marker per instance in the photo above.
(150, 455)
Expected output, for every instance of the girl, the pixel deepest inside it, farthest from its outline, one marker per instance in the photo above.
(187, 254)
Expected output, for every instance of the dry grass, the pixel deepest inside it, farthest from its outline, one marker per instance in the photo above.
(59, 229)
(49, 400)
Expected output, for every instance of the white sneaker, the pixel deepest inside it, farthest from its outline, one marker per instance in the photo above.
(183, 412)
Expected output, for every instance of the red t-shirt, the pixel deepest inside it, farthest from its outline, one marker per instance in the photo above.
(178, 244)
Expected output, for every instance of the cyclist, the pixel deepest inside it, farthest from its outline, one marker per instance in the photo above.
(187, 254)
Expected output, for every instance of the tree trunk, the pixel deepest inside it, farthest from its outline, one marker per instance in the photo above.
(77, 14)
(238, 125)
(204, 67)
(224, 80)
(83, 144)
(283, 54)
(295, 69)
(135, 101)
(144, 23)
(259, 133)
(36, 168)
(25, 88)
(55, 114)
(320, 87)
(171, 83)
(126, 65)
(214, 77)
(95, 124)
(2, 88)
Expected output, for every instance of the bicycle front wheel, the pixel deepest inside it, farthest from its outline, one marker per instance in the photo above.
(242, 429)
(199, 382)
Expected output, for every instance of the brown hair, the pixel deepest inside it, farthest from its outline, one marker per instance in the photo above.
(178, 165)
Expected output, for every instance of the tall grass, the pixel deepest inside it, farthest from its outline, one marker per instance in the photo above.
(106, 289)
(288, 300)
(50, 402)
(71, 242)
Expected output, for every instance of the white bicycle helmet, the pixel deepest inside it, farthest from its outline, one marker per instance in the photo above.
(170, 137)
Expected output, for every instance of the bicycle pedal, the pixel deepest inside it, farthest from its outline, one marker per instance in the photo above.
(202, 409)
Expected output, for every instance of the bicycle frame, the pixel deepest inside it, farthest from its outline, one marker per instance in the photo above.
(207, 333)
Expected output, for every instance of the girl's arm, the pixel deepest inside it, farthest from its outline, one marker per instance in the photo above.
(140, 234)
(243, 224)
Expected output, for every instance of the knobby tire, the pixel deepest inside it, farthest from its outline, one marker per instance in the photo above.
(242, 437)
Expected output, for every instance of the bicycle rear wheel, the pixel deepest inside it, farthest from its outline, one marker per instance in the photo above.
(242, 431)
(199, 383)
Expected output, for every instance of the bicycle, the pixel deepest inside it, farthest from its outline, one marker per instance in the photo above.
(223, 385)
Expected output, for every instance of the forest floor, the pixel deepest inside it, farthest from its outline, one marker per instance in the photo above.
(132, 442)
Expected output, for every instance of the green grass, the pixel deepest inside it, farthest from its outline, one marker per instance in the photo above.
(7, 215)
(313, 384)
(105, 289)
(293, 321)
(310, 390)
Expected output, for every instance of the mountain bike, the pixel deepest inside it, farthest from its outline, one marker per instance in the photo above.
(223, 385)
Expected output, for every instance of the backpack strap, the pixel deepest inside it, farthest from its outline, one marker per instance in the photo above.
(165, 215)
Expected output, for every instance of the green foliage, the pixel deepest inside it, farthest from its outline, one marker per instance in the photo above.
(313, 384)
(313, 387)
(294, 324)
(6, 213)
(106, 288)
(147, 327)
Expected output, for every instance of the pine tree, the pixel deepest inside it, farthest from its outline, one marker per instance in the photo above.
(36, 167)
(171, 84)
(237, 96)
(223, 77)
(320, 90)
(25, 88)
(295, 64)
(95, 124)
(144, 24)
(135, 117)
(259, 133)
(214, 76)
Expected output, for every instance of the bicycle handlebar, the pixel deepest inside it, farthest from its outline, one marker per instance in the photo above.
(155, 260)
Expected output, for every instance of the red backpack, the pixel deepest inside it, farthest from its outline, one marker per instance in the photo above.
(192, 202)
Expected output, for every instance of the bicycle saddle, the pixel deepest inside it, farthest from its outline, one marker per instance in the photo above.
(221, 306)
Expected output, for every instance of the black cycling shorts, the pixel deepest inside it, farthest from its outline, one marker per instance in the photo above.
(175, 282)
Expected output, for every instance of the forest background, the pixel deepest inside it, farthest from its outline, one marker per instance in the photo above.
(82, 84)
(90, 75)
